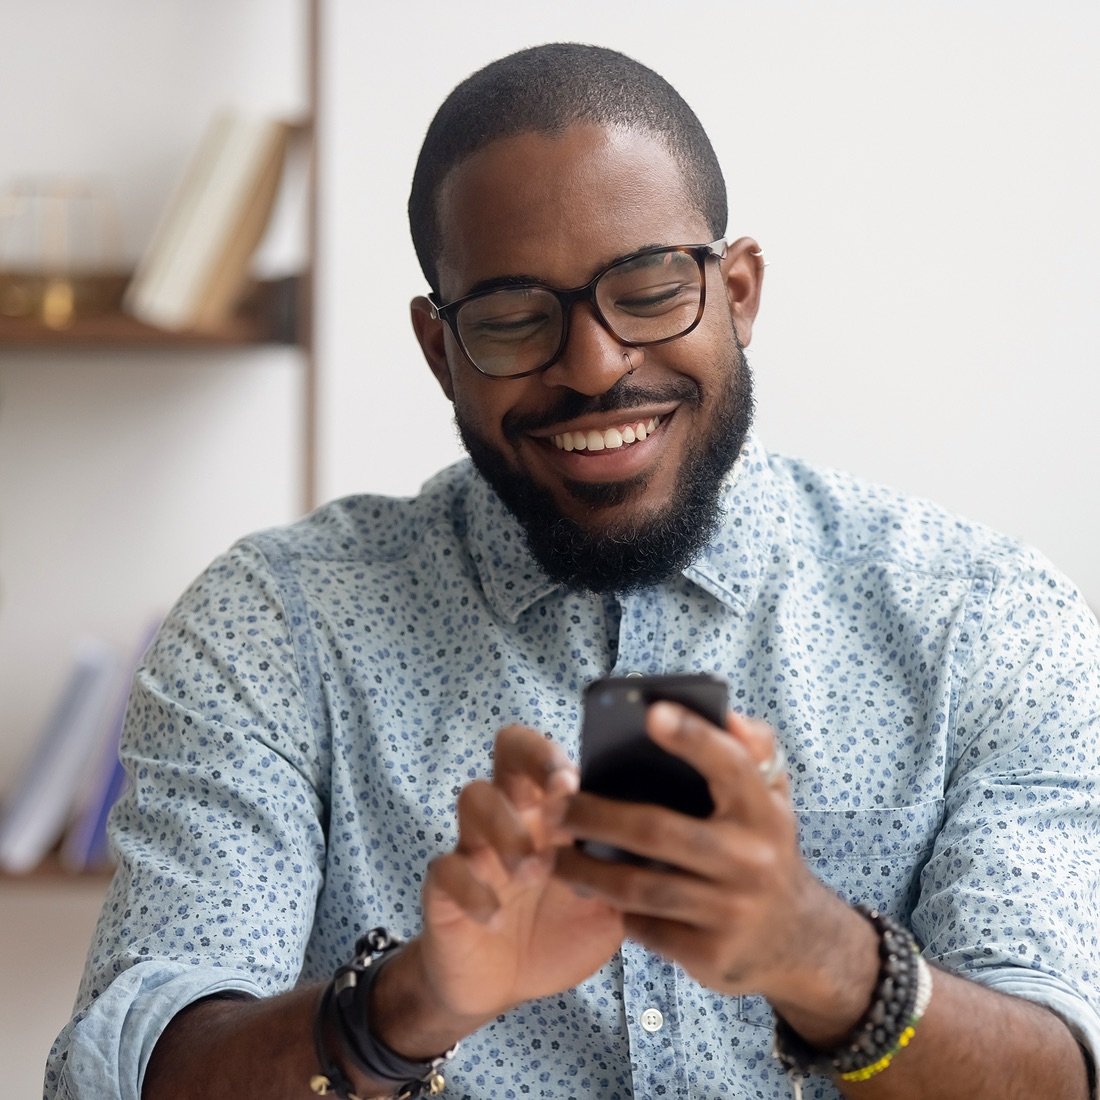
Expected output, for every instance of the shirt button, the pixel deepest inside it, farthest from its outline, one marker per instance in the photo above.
(652, 1020)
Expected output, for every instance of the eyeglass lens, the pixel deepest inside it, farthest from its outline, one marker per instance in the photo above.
(642, 300)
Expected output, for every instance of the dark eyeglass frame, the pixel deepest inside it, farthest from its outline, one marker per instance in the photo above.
(448, 312)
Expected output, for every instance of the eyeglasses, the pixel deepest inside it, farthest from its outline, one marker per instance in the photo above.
(647, 298)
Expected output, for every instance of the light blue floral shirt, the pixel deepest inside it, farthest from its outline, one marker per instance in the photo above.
(301, 728)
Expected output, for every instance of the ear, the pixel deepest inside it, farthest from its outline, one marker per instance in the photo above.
(743, 272)
(431, 335)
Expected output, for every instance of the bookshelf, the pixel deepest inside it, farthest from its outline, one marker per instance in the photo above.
(276, 314)
(269, 315)
(52, 872)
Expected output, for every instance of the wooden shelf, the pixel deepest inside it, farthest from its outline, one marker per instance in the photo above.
(50, 871)
(266, 317)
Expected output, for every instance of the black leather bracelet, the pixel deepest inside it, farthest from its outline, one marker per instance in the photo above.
(332, 1078)
(352, 985)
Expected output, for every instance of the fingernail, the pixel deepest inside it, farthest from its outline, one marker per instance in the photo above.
(663, 717)
(563, 781)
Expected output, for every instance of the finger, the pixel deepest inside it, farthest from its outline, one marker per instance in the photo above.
(755, 734)
(530, 767)
(664, 937)
(683, 944)
(451, 883)
(721, 850)
(762, 743)
(487, 819)
(652, 892)
(726, 762)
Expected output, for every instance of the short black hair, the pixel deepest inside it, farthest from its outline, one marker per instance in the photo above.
(546, 89)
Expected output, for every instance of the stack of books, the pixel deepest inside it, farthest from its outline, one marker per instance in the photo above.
(73, 776)
(196, 269)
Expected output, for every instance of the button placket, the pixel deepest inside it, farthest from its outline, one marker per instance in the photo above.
(641, 635)
(649, 988)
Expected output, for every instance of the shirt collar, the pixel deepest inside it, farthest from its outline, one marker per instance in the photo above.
(510, 577)
(729, 567)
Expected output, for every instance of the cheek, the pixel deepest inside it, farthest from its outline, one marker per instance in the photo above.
(486, 403)
(477, 406)
(716, 357)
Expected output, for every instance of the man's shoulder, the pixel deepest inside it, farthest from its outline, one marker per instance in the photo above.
(374, 528)
(848, 518)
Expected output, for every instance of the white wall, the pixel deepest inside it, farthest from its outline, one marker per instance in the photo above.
(923, 179)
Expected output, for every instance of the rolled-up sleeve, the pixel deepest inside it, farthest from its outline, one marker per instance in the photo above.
(1010, 895)
(219, 835)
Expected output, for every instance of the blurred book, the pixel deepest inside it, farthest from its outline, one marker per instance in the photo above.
(84, 846)
(197, 266)
(40, 801)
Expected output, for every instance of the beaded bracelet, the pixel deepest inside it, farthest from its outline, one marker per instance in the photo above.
(924, 995)
(901, 995)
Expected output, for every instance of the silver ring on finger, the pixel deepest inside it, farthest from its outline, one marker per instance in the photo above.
(772, 768)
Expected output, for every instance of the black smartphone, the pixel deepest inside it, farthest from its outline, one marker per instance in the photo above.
(618, 759)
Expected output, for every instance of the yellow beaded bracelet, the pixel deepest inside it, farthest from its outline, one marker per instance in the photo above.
(924, 995)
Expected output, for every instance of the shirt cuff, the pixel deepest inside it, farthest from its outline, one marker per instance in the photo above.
(110, 1042)
(1077, 1014)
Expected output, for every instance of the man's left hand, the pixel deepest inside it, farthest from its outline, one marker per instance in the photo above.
(737, 907)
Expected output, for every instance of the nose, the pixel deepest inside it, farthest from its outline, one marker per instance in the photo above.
(593, 360)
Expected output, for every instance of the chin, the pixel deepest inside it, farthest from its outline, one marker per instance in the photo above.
(609, 504)
(614, 536)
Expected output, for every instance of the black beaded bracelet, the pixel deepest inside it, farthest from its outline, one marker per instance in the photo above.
(900, 996)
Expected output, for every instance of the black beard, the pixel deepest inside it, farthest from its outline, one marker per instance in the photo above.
(638, 553)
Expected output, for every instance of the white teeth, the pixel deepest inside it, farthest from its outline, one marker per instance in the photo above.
(611, 439)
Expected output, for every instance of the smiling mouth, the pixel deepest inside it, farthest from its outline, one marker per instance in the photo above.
(611, 439)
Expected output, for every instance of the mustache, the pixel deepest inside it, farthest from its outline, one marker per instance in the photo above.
(622, 397)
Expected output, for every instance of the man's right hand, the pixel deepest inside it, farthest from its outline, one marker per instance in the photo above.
(499, 929)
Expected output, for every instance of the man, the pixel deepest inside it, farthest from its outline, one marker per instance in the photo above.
(369, 719)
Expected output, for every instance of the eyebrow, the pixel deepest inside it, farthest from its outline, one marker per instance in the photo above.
(503, 282)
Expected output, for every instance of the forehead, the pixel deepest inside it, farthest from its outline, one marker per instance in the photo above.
(558, 206)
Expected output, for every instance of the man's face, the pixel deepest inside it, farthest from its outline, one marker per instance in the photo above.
(555, 210)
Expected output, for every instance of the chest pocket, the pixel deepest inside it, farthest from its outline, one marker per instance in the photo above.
(874, 856)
